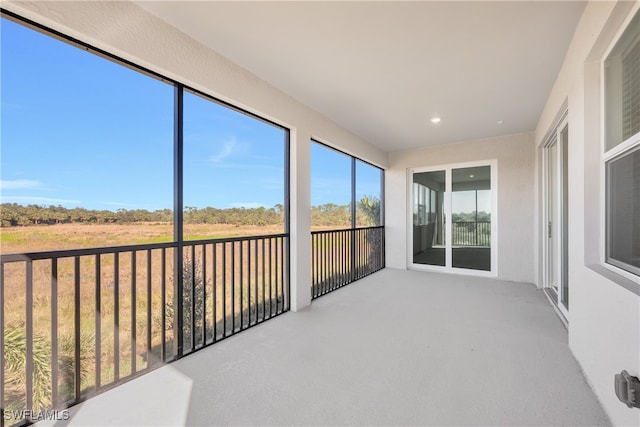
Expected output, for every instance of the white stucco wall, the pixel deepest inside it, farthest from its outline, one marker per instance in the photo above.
(515, 163)
(126, 30)
(604, 317)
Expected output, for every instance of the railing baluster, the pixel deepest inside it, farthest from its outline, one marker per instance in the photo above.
(249, 285)
(149, 307)
(339, 249)
(264, 297)
(329, 287)
(314, 265)
(204, 294)
(215, 293)
(325, 257)
(224, 289)
(320, 257)
(241, 286)
(332, 261)
(277, 244)
(163, 304)
(270, 277)
(134, 283)
(116, 316)
(354, 255)
(324, 263)
(276, 269)
(194, 296)
(360, 250)
(337, 256)
(356, 251)
(329, 259)
(54, 333)
(319, 266)
(29, 335)
(98, 343)
(76, 365)
(333, 284)
(255, 257)
(343, 258)
(233, 286)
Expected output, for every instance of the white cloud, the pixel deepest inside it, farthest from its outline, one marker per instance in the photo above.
(30, 200)
(19, 184)
(227, 149)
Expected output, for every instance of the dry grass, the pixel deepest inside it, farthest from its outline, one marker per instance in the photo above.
(76, 236)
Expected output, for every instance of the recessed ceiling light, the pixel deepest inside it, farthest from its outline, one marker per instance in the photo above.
(471, 176)
(500, 122)
(435, 120)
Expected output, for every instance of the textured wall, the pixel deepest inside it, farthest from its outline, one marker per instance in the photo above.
(604, 317)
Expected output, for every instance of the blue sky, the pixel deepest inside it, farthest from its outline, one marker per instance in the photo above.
(331, 177)
(79, 130)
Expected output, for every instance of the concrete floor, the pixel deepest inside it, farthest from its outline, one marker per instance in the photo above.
(396, 348)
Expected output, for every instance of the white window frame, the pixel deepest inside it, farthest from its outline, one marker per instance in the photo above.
(622, 149)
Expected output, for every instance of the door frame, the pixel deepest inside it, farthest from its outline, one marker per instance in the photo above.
(447, 168)
(557, 253)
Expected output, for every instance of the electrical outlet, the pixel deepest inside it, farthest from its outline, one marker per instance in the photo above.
(628, 389)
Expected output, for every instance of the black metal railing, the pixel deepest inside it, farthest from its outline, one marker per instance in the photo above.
(339, 257)
(471, 233)
(78, 322)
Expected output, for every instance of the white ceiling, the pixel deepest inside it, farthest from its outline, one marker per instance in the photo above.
(383, 69)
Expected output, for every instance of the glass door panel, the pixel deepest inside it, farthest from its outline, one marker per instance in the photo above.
(564, 294)
(471, 218)
(429, 218)
(552, 217)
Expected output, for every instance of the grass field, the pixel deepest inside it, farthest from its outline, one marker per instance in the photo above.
(74, 236)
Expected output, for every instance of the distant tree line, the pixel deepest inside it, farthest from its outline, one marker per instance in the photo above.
(13, 215)
(471, 217)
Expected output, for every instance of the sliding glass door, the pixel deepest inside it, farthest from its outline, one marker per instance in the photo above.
(452, 218)
(555, 245)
